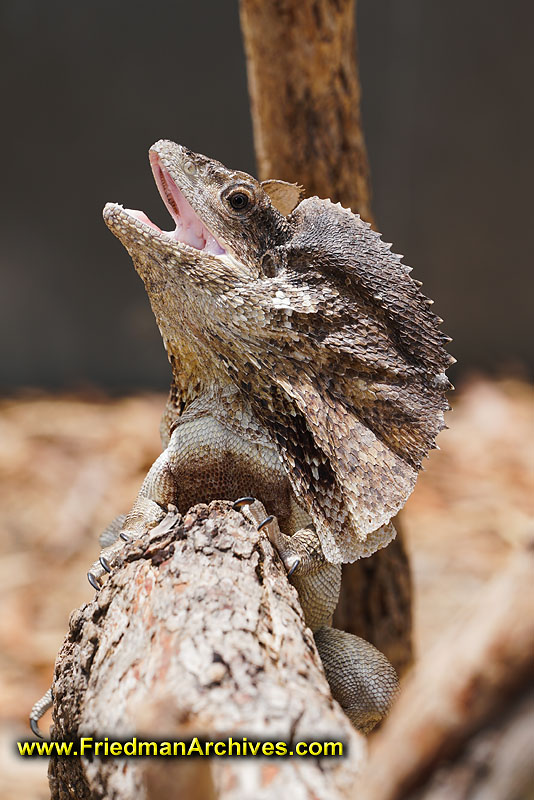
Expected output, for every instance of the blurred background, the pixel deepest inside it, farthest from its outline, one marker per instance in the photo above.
(86, 89)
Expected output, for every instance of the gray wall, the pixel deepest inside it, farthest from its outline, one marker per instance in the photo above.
(87, 87)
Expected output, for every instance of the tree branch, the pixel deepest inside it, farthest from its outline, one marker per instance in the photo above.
(199, 633)
(462, 727)
(305, 97)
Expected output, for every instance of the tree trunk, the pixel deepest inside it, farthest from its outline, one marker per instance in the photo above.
(198, 633)
(305, 101)
(305, 97)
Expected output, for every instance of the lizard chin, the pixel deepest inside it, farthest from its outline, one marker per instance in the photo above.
(189, 228)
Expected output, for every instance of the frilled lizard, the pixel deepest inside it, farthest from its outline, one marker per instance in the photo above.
(308, 376)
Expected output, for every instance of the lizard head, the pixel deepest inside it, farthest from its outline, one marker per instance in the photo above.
(306, 311)
(224, 222)
(216, 211)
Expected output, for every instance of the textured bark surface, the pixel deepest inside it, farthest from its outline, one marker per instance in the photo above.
(463, 728)
(305, 101)
(198, 633)
(305, 97)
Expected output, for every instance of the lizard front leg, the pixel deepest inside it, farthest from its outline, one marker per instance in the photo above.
(204, 460)
(316, 580)
(156, 494)
(361, 678)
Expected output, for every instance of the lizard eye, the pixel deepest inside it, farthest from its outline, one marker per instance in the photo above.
(240, 199)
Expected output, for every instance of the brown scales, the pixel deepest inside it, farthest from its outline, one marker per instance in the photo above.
(337, 351)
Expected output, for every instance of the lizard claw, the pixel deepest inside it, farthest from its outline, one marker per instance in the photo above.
(105, 564)
(265, 522)
(243, 501)
(93, 581)
(296, 564)
(125, 537)
(255, 513)
(34, 725)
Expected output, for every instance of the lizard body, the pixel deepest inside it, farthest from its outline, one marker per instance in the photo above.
(308, 373)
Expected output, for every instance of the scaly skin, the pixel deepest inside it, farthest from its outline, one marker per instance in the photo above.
(308, 373)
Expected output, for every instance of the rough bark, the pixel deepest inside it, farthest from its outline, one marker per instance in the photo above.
(198, 633)
(463, 725)
(305, 102)
(305, 97)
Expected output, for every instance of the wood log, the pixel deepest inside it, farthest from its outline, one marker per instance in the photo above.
(198, 633)
(462, 727)
(305, 102)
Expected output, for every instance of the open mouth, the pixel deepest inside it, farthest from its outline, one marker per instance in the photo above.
(189, 228)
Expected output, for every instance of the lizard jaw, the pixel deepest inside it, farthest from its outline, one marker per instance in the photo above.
(189, 229)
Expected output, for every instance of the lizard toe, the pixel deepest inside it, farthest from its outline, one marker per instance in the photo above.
(40, 708)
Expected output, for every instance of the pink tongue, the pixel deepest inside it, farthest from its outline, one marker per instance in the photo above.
(189, 228)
